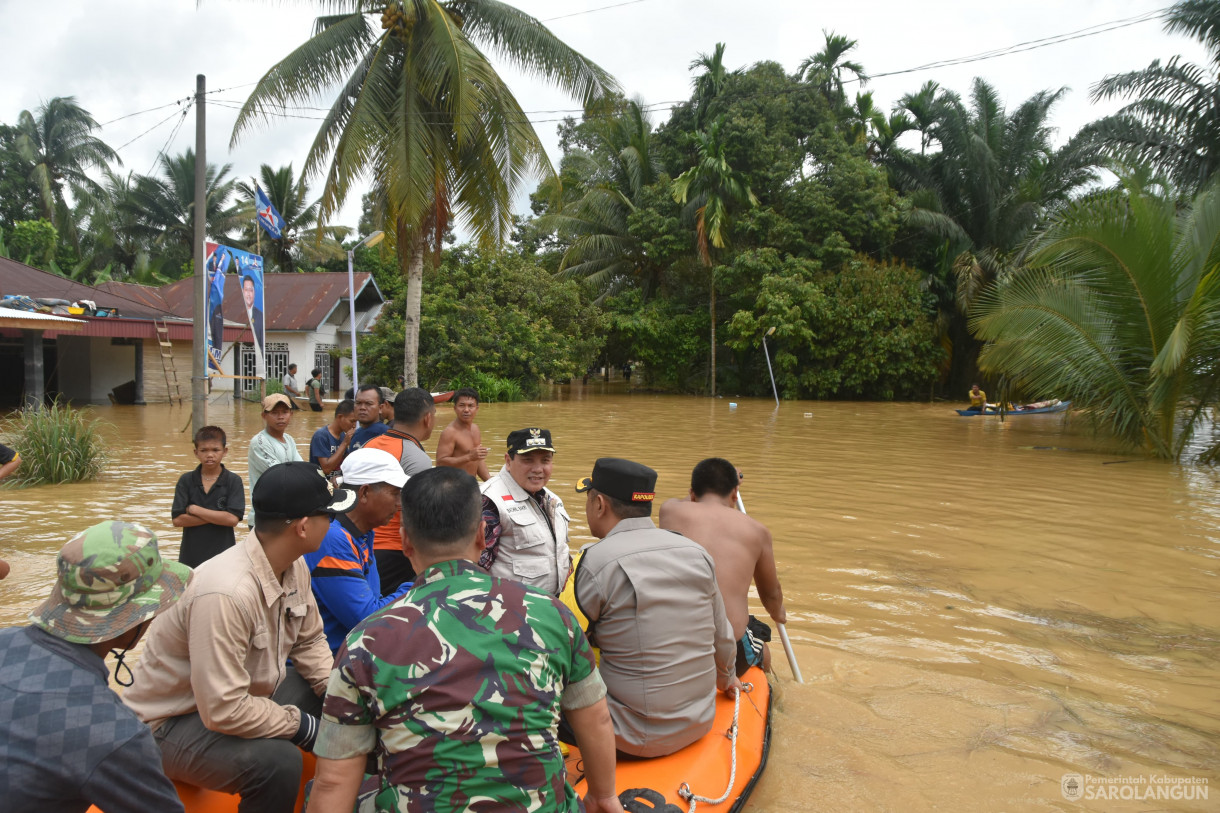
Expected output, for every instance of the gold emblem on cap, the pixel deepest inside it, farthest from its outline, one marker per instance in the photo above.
(535, 432)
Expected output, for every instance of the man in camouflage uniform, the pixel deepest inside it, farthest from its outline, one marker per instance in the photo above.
(66, 740)
(457, 686)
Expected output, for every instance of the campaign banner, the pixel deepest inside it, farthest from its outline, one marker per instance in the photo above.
(248, 268)
(217, 266)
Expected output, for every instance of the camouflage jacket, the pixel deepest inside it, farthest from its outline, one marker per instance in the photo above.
(456, 687)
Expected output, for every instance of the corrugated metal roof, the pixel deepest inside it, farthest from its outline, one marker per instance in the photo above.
(30, 320)
(134, 301)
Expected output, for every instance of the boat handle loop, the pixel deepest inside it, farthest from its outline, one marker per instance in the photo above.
(684, 789)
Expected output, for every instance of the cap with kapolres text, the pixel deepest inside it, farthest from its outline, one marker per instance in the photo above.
(624, 480)
(368, 466)
(532, 439)
(274, 398)
(298, 489)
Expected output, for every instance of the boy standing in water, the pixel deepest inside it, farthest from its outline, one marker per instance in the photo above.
(460, 445)
(272, 446)
(208, 502)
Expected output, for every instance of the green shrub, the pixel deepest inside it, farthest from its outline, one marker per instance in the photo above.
(57, 444)
(490, 388)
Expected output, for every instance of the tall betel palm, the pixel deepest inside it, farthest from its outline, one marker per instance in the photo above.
(422, 111)
(713, 188)
(1118, 310)
(58, 143)
(825, 69)
(1173, 124)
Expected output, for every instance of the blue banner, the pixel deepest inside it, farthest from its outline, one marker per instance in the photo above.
(268, 217)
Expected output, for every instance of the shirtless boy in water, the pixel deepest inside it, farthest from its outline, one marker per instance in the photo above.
(460, 446)
(740, 547)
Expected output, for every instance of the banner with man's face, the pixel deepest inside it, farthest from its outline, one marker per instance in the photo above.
(217, 265)
(248, 268)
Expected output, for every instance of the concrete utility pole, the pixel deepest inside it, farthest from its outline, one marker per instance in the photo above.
(199, 350)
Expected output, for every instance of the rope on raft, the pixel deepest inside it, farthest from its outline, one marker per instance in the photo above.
(686, 793)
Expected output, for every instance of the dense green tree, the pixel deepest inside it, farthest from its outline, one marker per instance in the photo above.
(861, 333)
(58, 144)
(1119, 310)
(1173, 122)
(33, 242)
(498, 314)
(423, 111)
(304, 244)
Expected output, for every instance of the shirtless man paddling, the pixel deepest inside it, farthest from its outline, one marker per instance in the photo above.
(740, 547)
(461, 445)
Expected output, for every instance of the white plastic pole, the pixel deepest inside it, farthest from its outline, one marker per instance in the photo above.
(783, 631)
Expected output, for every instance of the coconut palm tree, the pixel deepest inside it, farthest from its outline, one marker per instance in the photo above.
(622, 162)
(712, 189)
(1118, 310)
(825, 69)
(1173, 122)
(302, 241)
(58, 143)
(164, 205)
(423, 112)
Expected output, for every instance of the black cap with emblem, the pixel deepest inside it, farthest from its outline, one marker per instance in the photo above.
(624, 480)
(532, 439)
(298, 489)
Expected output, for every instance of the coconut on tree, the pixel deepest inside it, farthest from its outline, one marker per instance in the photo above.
(422, 111)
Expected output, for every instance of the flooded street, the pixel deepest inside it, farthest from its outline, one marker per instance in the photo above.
(978, 607)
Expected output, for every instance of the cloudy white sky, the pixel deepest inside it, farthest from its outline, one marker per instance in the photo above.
(120, 57)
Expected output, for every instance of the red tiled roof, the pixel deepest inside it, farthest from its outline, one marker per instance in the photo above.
(296, 301)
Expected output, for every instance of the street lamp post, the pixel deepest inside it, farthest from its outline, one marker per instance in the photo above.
(774, 391)
(372, 240)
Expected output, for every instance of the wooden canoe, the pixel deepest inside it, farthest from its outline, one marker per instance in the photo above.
(1061, 406)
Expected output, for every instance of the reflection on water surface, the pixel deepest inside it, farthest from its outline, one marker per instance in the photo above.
(979, 607)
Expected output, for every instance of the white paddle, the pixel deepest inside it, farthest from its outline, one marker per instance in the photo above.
(783, 632)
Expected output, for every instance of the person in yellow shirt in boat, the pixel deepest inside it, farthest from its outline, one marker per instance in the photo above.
(978, 398)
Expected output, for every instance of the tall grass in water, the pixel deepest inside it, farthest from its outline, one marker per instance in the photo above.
(490, 388)
(57, 444)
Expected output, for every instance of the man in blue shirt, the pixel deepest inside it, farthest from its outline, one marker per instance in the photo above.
(329, 444)
(369, 401)
(66, 740)
(343, 571)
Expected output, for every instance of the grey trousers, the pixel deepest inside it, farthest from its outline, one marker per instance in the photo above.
(266, 773)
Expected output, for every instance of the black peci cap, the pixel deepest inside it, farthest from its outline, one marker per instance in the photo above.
(624, 480)
(533, 439)
(298, 489)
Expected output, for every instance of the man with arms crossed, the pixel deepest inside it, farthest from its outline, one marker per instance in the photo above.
(461, 444)
(527, 526)
(459, 708)
(741, 548)
(655, 613)
(213, 682)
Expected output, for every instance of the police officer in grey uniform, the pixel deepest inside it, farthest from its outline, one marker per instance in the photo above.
(527, 527)
(656, 613)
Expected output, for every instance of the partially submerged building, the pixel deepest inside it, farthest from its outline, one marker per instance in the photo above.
(113, 347)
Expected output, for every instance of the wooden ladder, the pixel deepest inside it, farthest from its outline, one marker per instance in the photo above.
(172, 390)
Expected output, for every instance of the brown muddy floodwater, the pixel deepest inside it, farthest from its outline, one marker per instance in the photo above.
(978, 607)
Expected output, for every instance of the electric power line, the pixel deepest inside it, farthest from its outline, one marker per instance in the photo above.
(590, 11)
(150, 129)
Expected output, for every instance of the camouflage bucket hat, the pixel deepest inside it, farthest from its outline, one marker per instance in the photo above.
(111, 578)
